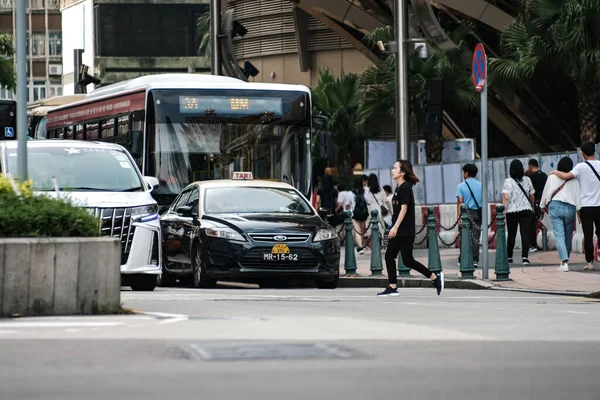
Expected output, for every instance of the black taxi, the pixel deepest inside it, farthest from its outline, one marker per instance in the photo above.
(247, 230)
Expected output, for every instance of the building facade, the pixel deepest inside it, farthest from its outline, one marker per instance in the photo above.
(288, 45)
(44, 46)
(124, 39)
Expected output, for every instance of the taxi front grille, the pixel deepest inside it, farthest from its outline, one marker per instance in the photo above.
(117, 223)
(255, 259)
(279, 237)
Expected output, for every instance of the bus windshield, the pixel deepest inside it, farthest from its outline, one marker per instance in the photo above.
(208, 134)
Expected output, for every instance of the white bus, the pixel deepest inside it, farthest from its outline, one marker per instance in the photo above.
(182, 128)
(37, 111)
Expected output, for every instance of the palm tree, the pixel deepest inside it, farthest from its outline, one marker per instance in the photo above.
(556, 40)
(453, 67)
(203, 34)
(339, 99)
(7, 70)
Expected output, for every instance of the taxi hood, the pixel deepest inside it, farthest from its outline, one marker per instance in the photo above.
(271, 223)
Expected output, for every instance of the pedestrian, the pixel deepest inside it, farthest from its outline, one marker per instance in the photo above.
(518, 199)
(402, 234)
(360, 215)
(377, 200)
(588, 175)
(388, 195)
(561, 200)
(469, 193)
(538, 179)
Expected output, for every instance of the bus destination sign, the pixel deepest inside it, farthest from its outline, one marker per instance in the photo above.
(225, 105)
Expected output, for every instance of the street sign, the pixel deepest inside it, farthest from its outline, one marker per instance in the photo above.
(9, 131)
(479, 67)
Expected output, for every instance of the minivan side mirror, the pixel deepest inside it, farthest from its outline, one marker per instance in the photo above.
(137, 143)
(152, 181)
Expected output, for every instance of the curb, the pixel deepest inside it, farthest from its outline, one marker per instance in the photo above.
(465, 284)
(381, 282)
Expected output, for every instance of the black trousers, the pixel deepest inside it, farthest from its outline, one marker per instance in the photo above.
(522, 219)
(404, 246)
(590, 216)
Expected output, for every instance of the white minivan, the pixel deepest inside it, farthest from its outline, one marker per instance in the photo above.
(103, 178)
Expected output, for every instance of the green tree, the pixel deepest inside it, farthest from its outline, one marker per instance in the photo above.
(7, 70)
(203, 34)
(453, 67)
(339, 99)
(557, 40)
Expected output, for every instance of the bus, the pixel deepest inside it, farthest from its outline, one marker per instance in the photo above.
(8, 120)
(182, 128)
(37, 111)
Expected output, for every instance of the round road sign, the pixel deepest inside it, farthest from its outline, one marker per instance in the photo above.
(479, 67)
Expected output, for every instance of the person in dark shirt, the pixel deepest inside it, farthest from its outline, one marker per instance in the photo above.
(538, 178)
(402, 234)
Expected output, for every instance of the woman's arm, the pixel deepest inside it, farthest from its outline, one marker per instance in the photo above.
(403, 211)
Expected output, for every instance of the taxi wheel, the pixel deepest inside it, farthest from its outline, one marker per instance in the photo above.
(201, 280)
(329, 284)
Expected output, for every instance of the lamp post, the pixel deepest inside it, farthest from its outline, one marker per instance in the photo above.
(21, 49)
(402, 102)
(215, 24)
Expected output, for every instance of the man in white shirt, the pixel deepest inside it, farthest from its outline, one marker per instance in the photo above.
(588, 175)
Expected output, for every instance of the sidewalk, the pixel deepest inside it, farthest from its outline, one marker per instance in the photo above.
(540, 276)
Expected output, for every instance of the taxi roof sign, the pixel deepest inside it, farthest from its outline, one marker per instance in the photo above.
(237, 175)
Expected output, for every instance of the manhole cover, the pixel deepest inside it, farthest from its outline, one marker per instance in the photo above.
(270, 351)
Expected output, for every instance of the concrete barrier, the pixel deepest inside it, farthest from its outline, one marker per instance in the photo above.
(59, 276)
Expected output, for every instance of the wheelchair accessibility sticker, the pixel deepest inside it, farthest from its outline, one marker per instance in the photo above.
(9, 131)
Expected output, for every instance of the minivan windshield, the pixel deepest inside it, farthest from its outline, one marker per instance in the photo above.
(78, 169)
(255, 200)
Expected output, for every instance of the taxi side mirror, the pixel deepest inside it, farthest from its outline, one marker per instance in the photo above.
(186, 211)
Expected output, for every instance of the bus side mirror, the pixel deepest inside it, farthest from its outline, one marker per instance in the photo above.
(326, 145)
(137, 144)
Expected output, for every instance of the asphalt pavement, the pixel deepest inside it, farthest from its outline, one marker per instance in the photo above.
(310, 344)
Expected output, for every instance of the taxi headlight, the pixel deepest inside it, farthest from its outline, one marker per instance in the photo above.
(224, 233)
(145, 213)
(325, 234)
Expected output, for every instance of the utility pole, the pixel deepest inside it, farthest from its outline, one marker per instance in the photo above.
(215, 26)
(402, 102)
(21, 49)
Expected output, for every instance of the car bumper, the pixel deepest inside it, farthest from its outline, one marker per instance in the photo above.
(245, 260)
(143, 253)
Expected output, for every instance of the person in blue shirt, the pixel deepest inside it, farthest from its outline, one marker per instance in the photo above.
(469, 193)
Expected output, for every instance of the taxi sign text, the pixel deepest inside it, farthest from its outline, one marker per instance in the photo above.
(242, 175)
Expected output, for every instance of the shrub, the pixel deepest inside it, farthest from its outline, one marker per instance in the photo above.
(31, 215)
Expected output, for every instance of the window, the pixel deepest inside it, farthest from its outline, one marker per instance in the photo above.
(193, 200)
(123, 125)
(6, 94)
(36, 4)
(55, 90)
(39, 90)
(108, 128)
(55, 44)
(38, 44)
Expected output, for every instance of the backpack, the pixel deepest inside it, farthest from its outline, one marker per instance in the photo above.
(361, 211)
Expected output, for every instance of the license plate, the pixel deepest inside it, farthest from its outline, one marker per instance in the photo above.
(280, 252)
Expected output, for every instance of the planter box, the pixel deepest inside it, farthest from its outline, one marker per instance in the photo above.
(59, 276)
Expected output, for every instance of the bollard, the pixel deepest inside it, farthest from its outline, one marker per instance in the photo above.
(403, 270)
(466, 252)
(502, 268)
(433, 249)
(349, 256)
(376, 264)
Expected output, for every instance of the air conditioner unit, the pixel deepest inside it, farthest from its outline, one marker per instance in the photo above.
(55, 69)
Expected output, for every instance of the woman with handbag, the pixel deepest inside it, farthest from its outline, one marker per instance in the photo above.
(560, 200)
(518, 200)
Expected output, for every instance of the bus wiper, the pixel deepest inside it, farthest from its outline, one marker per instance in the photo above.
(133, 189)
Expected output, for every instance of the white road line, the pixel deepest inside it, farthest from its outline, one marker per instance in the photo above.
(172, 317)
(7, 332)
(42, 324)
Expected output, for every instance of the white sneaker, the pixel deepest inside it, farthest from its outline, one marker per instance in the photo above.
(563, 268)
(589, 267)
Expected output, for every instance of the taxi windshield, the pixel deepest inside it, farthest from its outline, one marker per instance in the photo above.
(255, 200)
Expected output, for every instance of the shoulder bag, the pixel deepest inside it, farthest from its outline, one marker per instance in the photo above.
(476, 203)
(554, 194)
